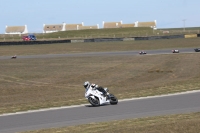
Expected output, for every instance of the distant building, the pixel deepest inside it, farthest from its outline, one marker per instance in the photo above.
(127, 25)
(151, 24)
(53, 28)
(65, 27)
(117, 25)
(112, 24)
(16, 29)
(88, 27)
(73, 26)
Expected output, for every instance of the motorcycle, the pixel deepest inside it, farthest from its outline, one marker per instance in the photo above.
(175, 51)
(14, 57)
(96, 98)
(142, 52)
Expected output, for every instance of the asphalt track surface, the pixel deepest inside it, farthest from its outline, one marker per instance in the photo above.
(83, 114)
(136, 108)
(149, 52)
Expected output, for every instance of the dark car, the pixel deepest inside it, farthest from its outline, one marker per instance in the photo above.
(197, 49)
(32, 37)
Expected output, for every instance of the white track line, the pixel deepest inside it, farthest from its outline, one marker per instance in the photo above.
(123, 100)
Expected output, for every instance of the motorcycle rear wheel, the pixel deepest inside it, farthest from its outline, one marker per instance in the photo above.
(94, 102)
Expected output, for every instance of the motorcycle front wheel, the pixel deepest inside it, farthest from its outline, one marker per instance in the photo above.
(113, 99)
(94, 102)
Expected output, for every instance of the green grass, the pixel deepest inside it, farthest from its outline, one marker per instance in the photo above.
(182, 123)
(91, 33)
(104, 33)
(27, 84)
(182, 29)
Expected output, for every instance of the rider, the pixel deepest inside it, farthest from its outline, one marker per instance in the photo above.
(87, 85)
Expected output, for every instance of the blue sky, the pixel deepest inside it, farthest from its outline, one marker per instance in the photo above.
(35, 13)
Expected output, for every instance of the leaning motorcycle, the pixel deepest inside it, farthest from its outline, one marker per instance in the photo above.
(96, 98)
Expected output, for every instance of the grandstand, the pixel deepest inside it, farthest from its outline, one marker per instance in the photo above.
(16, 29)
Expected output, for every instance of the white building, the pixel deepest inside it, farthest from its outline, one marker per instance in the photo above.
(16, 29)
(151, 24)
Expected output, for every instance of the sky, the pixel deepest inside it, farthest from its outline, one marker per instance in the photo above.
(35, 13)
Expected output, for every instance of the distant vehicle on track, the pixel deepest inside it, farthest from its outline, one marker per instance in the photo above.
(14, 57)
(197, 49)
(26, 38)
(175, 51)
(142, 52)
(29, 37)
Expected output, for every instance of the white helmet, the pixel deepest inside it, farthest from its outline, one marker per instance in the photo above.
(86, 84)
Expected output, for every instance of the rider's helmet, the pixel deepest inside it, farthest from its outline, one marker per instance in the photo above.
(86, 84)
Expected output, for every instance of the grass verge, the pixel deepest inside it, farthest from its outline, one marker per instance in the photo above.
(182, 123)
(27, 84)
(98, 47)
(41, 83)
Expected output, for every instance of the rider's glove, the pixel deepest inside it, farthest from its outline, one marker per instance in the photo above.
(93, 86)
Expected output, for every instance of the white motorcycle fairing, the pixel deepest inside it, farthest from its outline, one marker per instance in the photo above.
(96, 97)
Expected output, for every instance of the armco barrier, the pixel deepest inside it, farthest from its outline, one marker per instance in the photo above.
(165, 37)
(103, 40)
(159, 37)
(141, 38)
(107, 39)
(172, 37)
(191, 36)
(88, 40)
